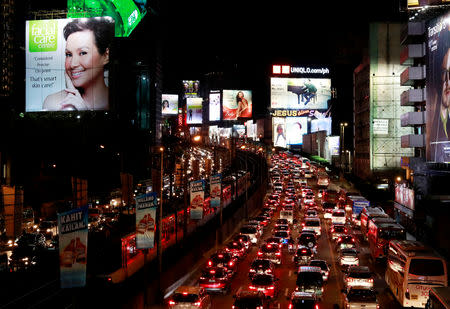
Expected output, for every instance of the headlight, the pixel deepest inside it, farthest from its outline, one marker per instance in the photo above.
(49, 230)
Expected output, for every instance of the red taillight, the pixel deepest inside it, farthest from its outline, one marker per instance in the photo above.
(278, 253)
(303, 250)
(271, 287)
(231, 263)
(212, 271)
(251, 287)
(290, 306)
(220, 256)
(269, 271)
(109, 279)
(172, 303)
(269, 246)
(371, 280)
(316, 307)
(339, 239)
(332, 230)
(259, 253)
(197, 304)
(209, 263)
(353, 240)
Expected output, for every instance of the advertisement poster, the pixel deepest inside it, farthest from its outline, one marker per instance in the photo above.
(197, 199)
(145, 220)
(169, 104)
(73, 236)
(214, 106)
(404, 196)
(438, 90)
(215, 187)
(191, 88)
(300, 93)
(279, 132)
(239, 130)
(321, 124)
(66, 68)
(236, 104)
(289, 130)
(194, 110)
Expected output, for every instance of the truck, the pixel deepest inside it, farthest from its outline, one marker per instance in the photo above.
(357, 204)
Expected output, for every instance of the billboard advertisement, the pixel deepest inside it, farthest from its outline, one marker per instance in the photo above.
(169, 104)
(236, 104)
(438, 90)
(66, 66)
(73, 236)
(288, 131)
(321, 124)
(214, 106)
(145, 220)
(197, 199)
(215, 187)
(300, 93)
(239, 130)
(225, 132)
(194, 110)
(404, 196)
(190, 88)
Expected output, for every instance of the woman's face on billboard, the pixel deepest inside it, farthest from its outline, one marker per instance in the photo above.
(445, 80)
(84, 64)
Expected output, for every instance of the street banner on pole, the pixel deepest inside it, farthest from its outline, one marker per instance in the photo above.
(73, 236)
(197, 199)
(215, 186)
(145, 220)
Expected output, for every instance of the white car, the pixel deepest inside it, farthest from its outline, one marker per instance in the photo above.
(251, 232)
(313, 224)
(338, 216)
(361, 298)
(348, 257)
(358, 277)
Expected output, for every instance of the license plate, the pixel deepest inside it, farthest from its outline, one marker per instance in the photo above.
(414, 297)
(212, 280)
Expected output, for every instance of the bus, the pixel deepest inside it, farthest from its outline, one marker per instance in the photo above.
(412, 270)
(439, 298)
(379, 235)
(366, 214)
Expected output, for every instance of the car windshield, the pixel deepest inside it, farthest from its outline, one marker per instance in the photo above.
(281, 234)
(321, 264)
(338, 214)
(248, 230)
(359, 275)
(214, 273)
(348, 253)
(309, 278)
(312, 223)
(185, 297)
(360, 295)
(306, 238)
(282, 221)
(426, 267)
(261, 264)
(262, 280)
(248, 303)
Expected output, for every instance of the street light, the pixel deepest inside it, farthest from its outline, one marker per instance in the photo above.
(197, 138)
(159, 248)
(343, 125)
(243, 147)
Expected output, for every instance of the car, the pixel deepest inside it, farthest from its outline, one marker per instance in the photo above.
(324, 267)
(251, 232)
(307, 239)
(348, 257)
(267, 284)
(338, 230)
(312, 223)
(283, 235)
(358, 277)
(282, 227)
(345, 241)
(328, 208)
(190, 297)
(270, 252)
(244, 239)
(257, 225)
(48, 228)
(281, 222)
(275, 241)
(222, 259)
(303, 300)
(216, 279)
(320, 193)
(236, 248)
(245, 299)
(303, 256)
(263, 220)
(309, 279)
(338, 216)
(305, 190)
(261, 266)
(311, 213)
(361, 298)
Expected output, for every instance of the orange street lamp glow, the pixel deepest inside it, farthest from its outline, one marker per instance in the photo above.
(197, 138)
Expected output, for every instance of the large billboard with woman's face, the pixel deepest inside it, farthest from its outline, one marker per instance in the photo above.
(236, 104)
(300, 93)
(169, 104)
(438, 89)
(67, 64)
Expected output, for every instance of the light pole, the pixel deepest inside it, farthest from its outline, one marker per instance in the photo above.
(159, 248)
(246, 183)
(342, 131)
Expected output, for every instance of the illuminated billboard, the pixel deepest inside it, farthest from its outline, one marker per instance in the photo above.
(300, 93)
(236, 104)
(214, 106)
(169, 104)
(239, 130)
(438, 90)
(66, 66)
(288, 131)
(321, 124)
(415, 4)
(190, 88)
(194, 110)
(126, 13)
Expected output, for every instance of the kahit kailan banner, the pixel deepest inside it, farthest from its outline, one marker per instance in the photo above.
(215, 186)
(197, 199)
(145, 220)
(73, 236)
(66, 64)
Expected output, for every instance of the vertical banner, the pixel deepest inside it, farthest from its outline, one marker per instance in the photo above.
(145, 220)
(215, 186)
(73, 236)
(197, 199)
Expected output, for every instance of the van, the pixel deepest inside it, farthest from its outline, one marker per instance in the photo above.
(288, 215)
(338, 216)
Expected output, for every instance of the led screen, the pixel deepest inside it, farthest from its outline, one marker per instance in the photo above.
(300, 93)
(191, 88)
(321, 124)
(169, 104)
(66, 67)
(194, 110)
(438, 90)
(214, 106)
(126, 13)
(237, 104)
(288, 131)
(239, 130)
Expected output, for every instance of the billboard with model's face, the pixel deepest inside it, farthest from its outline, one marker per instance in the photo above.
(191, 88)
(438, 89)
(236, 104)
(289, 130)
(67, 64)
(214, 106)
(194, 110)
(169, 104)
(300, 93)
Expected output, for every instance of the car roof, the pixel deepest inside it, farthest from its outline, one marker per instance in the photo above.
(303, 295)
(189, 289)
(358, 269)
(309, 269)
